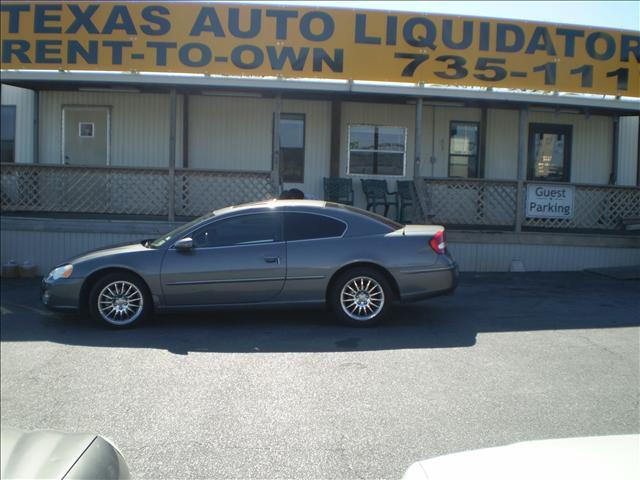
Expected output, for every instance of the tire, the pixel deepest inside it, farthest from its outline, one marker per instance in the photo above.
(120, 300)
(361, 297)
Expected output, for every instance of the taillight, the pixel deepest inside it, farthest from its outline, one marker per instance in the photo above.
(438, 243)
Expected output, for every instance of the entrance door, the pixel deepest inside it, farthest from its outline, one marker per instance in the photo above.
(86, 136)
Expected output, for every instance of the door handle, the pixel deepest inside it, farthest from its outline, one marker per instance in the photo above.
(272, 259)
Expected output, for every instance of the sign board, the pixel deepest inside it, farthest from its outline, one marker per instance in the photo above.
(549, 201)
(264, 40)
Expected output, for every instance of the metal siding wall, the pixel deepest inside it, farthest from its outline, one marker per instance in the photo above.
(428, 141)
(628, 151)
(502, 144)
(473, 257)
(139, 126)
(60, 246)
(27, 245)
(592, 145)
(23, 99)
(499, 147)
(443, 117)
(317, 143)
(230, 133)
(376, 114)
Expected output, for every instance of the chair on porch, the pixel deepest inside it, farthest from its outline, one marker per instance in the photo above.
(406, 198)
(339, 190)
(378, 195)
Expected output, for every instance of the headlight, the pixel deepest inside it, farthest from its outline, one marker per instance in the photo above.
(64, 271)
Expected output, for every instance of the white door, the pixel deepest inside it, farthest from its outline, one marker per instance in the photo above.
(86, 136)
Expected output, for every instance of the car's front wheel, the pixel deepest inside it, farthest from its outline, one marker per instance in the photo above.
(119, 300)
(361, 297)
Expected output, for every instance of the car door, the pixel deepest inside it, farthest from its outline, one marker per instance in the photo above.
(235, 260)
(314, 248)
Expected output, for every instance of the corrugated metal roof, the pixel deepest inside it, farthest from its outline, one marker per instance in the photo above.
(624, 105)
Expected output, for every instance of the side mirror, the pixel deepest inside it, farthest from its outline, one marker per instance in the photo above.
(184, 244)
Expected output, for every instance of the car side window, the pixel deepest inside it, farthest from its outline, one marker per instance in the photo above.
(241, 230)
(307, 226)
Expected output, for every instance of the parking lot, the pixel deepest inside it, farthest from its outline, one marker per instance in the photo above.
(291, 394)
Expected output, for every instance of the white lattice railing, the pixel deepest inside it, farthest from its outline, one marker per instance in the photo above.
(492, 203)
(472, 202)
(596, 207)
(145, 191)
(125, 191)
(200, 191)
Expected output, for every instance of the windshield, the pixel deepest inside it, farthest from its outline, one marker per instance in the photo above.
(176, 233)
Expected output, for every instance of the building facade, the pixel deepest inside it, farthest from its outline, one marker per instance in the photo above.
(539, 180)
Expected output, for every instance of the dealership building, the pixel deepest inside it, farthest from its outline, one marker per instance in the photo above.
(521, 139)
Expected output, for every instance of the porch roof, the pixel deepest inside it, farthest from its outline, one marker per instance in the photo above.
(117, 81)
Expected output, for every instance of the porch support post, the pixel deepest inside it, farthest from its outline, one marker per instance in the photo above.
(483, 142)
(172, 155)
(185, 130)
(36, 126)
(418, 180)
(638, 155)
(275, 167)
(522, 166)
(336, 119)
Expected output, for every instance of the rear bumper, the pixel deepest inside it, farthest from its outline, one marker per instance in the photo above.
(430, 283)
(61, 295)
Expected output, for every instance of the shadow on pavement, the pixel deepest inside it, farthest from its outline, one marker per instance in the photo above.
(482, 303)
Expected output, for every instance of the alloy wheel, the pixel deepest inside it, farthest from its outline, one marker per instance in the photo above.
(362, 298)
(120, 302)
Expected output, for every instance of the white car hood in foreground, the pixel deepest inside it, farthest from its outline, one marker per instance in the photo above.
(53, 455)
(583, 458)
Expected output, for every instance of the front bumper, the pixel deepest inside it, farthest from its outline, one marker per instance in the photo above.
(62, 294)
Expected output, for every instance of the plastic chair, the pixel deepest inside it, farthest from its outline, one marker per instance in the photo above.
(405, 198)
(378, 195)
(339, 190)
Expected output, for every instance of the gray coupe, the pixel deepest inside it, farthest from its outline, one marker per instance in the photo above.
(278, 252)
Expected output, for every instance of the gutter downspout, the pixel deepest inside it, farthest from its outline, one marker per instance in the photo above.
(613, 176)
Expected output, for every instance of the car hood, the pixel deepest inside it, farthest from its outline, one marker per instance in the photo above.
(57, 455)
(117, 249)
(587, 458)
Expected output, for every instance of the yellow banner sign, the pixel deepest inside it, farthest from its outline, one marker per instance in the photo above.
(259, 40)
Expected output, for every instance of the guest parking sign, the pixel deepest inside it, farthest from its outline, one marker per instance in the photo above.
(549, 201)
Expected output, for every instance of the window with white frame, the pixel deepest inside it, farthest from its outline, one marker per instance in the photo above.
(377, 150)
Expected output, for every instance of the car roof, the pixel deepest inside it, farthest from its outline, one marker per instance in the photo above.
(360, 220)
(271, 204)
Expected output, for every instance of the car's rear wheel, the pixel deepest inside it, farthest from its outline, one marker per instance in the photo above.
(119, 300)
(361, 297)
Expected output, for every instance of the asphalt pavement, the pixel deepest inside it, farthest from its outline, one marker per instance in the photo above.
(291, 394)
